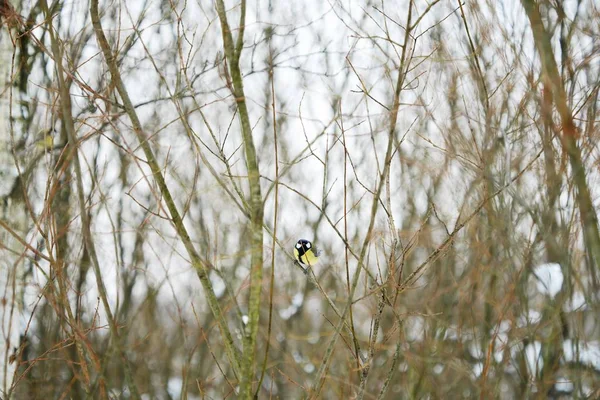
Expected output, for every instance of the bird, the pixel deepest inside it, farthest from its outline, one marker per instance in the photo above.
(306, 253)
(44, 139)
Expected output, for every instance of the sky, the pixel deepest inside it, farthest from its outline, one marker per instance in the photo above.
(324, 55)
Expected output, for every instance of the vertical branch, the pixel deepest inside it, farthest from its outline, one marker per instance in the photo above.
(69, 127)
(320, 378)
(199, 264)
(346, 255)
(256, 206)
(395, 358)
(589, 219)
(274, 234)
(371, 357)
(475, 57)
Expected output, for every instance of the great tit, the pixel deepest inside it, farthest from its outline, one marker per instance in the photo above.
(306, 253)
(44, 139)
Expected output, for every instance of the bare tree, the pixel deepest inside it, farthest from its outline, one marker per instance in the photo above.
(161, 159)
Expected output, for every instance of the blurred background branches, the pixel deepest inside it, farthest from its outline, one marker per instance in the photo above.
(160, 159)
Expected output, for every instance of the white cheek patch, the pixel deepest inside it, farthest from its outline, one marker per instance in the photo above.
(308, 245)
(298, 245)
